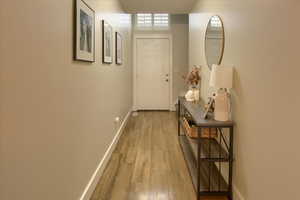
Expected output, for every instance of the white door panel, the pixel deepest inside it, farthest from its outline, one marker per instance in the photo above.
(152, 73)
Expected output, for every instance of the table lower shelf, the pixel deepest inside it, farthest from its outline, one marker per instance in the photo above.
(211, 149)
(211, 180)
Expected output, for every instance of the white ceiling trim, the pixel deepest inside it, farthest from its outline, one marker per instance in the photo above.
(158, 6)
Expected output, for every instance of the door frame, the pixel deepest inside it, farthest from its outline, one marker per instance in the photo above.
(152, 36)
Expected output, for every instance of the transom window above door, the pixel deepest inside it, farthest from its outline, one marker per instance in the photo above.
(152, 21)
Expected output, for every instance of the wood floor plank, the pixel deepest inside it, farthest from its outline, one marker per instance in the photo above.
(147, 163)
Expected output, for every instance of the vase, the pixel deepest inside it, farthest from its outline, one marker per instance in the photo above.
(196, 94)
(189, 96)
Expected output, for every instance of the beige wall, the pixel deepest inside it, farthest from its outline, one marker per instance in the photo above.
(57, 115)
(180, 33)
(262, 42)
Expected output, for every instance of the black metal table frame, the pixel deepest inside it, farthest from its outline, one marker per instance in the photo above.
(227, 193)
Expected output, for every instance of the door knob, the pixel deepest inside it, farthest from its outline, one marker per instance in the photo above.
(167, 80)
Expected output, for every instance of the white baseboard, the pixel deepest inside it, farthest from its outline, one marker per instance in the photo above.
(237, 195)
(99, 171)
(173, 106)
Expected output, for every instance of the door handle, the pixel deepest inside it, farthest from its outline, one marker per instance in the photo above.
(167, 80)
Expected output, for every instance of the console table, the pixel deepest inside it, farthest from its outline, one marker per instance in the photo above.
(209, 157)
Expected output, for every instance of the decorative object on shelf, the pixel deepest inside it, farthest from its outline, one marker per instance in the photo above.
(214, 41)
(119, 49)
(196, 93)
(193, 79)
(85, 32)
(192, 130)
(189, 96)
(107, 43)
(209, 107)
(221, 78)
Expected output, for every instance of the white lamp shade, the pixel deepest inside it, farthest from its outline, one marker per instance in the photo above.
(221, 77)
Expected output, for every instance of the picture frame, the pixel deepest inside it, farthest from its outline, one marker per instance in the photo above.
(208, 107)
(119, 48)
(84, 32)
(107, 43)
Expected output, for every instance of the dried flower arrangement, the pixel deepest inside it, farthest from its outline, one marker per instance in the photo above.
(193, 78)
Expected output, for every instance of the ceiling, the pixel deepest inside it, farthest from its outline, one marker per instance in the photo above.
(158, 6)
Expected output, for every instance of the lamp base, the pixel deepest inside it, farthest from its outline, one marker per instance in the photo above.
(222, 106)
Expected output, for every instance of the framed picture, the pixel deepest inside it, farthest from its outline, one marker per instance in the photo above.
(85, 32)
(107, 43)
(208, 107)
(119, 49)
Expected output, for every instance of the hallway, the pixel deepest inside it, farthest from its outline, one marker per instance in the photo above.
(73, 72)
(145, 163)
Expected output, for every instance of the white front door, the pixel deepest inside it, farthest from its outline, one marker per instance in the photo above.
(153, 73)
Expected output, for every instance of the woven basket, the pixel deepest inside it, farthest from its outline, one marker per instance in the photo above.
(192, 130)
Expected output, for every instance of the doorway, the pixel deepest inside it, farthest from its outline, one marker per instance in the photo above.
(152, 72)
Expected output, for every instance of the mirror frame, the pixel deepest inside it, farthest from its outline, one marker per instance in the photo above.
(223, 43)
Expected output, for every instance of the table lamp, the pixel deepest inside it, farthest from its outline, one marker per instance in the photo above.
(221, 79)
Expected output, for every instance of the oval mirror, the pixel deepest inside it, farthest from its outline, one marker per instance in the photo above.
(214, 41)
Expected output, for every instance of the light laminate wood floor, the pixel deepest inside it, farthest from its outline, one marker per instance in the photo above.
(148, 163)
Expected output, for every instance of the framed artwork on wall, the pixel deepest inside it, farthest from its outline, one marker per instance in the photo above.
(119, 49)
(85, 32)
(107, 43)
